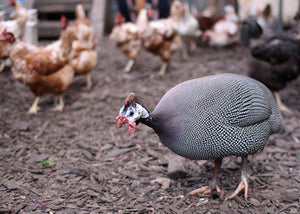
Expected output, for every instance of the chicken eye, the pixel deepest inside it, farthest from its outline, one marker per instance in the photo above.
(131, 113)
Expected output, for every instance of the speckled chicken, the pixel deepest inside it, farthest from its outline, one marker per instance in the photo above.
(160, 38)
(225, 32)
(45, 70)
(126, 36)
(210, 118)
(83, 57)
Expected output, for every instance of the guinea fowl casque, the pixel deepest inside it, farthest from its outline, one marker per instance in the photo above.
(210, 118)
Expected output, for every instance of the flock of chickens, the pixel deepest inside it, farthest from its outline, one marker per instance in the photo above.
(49, 69)
(275, 53)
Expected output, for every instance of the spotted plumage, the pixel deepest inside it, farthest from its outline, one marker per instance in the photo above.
(210, 117)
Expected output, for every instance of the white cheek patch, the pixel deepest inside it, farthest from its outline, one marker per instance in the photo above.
(138, 112)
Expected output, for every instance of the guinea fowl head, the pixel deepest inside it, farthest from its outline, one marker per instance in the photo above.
(131, 113)
(7, 37)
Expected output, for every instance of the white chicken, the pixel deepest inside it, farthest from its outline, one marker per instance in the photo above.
(186, 25)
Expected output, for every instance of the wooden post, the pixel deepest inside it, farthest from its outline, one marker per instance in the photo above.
(28, 4)
(98, 17)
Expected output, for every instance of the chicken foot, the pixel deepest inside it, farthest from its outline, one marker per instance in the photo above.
(88, 81)
(244, 180)
(34, 107)
(213, 186)
(60, 105)
(129, 65)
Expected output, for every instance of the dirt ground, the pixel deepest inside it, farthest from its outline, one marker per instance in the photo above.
(77, 161)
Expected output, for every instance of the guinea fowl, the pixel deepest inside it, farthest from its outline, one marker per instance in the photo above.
(210, 118)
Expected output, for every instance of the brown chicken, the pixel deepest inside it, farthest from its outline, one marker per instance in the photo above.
(83, 57)
(16, 26)
(45, 70)
(160, 38)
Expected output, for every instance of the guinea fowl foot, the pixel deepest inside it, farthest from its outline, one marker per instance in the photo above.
(244, 181)
(205, 190)
(60, 105)
(213, 189)
(129, 66)
(34, 107)
(88, 81)
(243, 185)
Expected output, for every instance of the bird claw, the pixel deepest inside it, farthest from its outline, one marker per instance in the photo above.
(205, 190)
(34, 109)
(243, 185)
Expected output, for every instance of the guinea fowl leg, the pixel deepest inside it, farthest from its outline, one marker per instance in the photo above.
(244, 180)
(163, 69)
(281, 106)
(129, 65)
(34, 107)
(88, 81)
(213, 186)
(60, 105)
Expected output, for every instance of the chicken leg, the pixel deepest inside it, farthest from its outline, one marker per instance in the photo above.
(129, 65)
(34, 107)
(163, 69)
(60, 105)
(244, 180)
(2, 65)
(88, 81)
(213, 186)
(281, 106)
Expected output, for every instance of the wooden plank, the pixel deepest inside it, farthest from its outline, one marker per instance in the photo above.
(66, 7)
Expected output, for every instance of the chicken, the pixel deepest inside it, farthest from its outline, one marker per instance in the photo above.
(160, 38)
(17, 26)
(208, 17)
(224, 32)
(186, 25)
(275, 56)
(83, 57)
(210, 118)
(249, 8)
(275, 63)
(45, 70)
(127, 39)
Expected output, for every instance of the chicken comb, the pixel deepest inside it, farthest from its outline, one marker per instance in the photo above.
(130, 99)
(119, 19)
(12, 3)
(63, 22)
